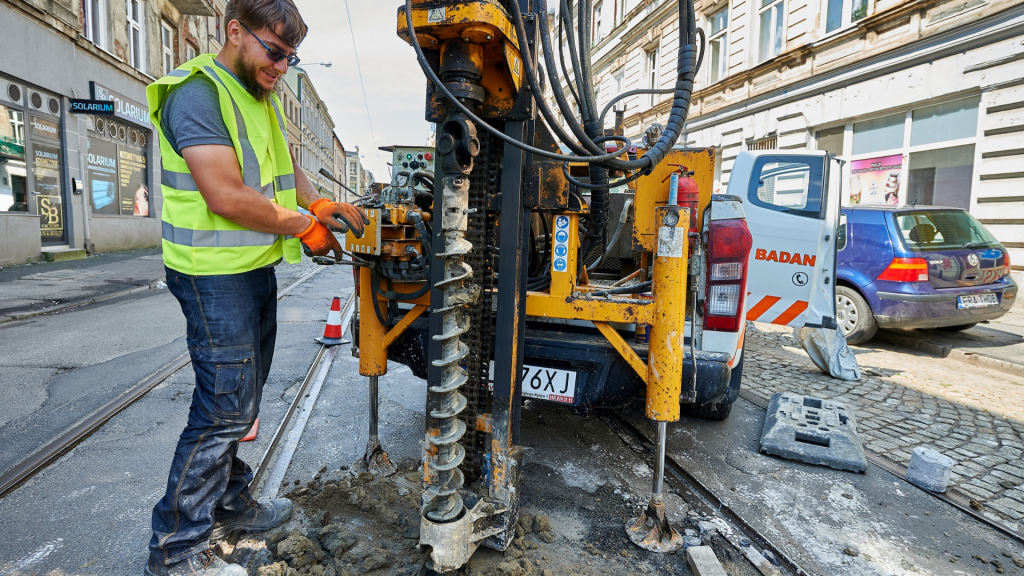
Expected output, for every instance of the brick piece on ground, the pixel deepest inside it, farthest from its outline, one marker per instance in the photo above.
(703, 561)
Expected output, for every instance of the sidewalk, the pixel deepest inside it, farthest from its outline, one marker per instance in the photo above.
(30, 288)
(997, 345)
(906, 399)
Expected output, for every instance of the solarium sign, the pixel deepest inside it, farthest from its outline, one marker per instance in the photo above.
(124, 108)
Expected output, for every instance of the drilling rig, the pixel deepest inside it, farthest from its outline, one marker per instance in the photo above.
(504, 240)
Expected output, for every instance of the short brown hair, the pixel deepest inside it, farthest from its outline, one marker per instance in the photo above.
(259, 14)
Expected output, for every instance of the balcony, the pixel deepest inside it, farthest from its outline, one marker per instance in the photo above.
(194, 7)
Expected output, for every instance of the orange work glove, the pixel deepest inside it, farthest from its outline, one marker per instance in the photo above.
(340, 216)
(317, 240)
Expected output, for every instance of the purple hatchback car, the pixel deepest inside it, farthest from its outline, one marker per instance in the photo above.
(917, 267)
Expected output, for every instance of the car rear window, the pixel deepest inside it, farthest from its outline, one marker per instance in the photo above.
(934, 230)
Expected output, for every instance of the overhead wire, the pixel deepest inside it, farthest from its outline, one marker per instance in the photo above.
(359, 70)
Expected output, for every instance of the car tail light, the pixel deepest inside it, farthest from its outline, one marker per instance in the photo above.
(906, 270)
(727, 275)
(1006, 264)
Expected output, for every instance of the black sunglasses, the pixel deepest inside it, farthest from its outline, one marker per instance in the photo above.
(272, 53)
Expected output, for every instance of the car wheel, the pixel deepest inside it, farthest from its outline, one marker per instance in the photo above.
(959, 328)
(715, 411)
(854, 316)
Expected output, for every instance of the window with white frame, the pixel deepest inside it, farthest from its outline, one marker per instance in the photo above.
(190, 51)
(651, 70)
(136, 37)
(167, 46)
(842, 13)
(922, 156)
(718, 46)
(595, 34)
(622, 10)
(93, 12)
(217, 33)
(769, 41)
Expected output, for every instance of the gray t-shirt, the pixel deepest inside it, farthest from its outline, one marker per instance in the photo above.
(191, 114)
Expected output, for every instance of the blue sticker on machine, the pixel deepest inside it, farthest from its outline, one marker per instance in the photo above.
(561, 250)
(559, 264)
(562, 236)
(562, 222)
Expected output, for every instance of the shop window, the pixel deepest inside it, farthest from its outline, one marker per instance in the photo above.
(770, 16)
(718, 46)
(878, 134)
(831, 140)
(117, 178)
(136, 35)
(941, 177)
(944, 122)
(842, 13)
(167, 46)
(13, 169)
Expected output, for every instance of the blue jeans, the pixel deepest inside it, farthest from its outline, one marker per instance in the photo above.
(232, 327)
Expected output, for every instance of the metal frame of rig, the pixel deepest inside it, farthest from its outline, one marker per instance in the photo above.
(452, 235)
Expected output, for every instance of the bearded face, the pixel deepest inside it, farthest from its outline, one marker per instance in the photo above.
(255, 71)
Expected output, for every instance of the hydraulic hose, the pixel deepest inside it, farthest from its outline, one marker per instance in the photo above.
(561, 63)
(439, 84)
(684, 87)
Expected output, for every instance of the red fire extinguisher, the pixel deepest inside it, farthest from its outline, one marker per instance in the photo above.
(683, 191)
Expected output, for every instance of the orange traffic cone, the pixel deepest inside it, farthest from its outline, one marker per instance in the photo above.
(332, 333)
(252, 432)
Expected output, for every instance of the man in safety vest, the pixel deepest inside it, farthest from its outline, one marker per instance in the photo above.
(230, 199)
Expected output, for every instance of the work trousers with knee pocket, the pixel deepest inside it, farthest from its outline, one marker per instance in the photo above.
(232, 327)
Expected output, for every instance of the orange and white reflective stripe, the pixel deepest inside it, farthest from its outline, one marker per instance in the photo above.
(783, 312)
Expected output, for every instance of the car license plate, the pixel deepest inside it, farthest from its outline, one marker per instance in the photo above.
(976, 301)
(549, 384)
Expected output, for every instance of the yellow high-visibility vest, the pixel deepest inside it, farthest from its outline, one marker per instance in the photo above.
(195, 240)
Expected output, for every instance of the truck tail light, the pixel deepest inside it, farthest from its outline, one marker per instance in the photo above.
(906, 270)
(727, 275)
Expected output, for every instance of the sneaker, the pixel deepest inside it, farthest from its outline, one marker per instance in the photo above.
(257, 518)
(206, 563)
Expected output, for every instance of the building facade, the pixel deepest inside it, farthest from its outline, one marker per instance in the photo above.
(340, 160)
(71, 181)
(926, 96)
(316, 132)
(358, 178)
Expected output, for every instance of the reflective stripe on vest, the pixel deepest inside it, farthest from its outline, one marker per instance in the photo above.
(216, 238)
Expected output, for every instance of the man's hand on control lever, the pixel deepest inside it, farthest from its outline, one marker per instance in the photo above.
(317, 240)
(339, 216)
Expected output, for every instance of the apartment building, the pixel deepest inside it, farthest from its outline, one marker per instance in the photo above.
(358, 178)
(68, 179)
(340, 161)
(926, 93)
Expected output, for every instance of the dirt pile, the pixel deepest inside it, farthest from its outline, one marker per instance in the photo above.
(358, 524)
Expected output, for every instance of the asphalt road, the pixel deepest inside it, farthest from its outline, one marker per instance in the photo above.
(89, 512)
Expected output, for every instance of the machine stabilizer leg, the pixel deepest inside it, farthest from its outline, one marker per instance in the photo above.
(652, 530)
(375, 460)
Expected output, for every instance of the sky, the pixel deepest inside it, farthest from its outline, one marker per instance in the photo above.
(395, 85)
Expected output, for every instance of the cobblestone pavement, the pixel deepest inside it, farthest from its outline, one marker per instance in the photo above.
(906, 399)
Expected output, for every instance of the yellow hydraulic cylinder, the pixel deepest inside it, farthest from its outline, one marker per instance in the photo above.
(666, 345)
(373, 355)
